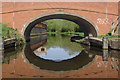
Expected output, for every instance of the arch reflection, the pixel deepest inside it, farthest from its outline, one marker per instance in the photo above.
(81, 60)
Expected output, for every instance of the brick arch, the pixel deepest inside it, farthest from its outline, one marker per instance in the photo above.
(87, 25)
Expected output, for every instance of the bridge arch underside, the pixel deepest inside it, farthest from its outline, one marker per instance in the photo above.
(86, 25)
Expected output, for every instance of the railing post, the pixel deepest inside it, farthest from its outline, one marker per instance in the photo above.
(105, 42)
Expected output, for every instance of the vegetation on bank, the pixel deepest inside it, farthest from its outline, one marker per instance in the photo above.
(61, 25)
(111, 37)
(5, 31)
(67, 33)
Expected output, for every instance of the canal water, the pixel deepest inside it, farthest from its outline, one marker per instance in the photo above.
(56, 56)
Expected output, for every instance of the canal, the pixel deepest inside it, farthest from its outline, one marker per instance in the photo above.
(56, 56)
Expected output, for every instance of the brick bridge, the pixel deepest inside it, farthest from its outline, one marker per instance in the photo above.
(93, 17)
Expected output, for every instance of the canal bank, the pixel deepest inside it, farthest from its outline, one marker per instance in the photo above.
(9, 37)
(10, 42)
(104, 43)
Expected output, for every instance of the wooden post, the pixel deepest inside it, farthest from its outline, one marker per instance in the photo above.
(15, 36)
(8, 34)
(105, 42)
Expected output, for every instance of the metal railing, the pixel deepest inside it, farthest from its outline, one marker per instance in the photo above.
(115, 25)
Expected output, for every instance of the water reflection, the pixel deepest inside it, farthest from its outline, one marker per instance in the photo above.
(57, 54)
(11, 53)
(86, 62)
(58, 48)
(71, 64)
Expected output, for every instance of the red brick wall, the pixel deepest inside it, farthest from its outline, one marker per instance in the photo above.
(25, 11)
(24, 68)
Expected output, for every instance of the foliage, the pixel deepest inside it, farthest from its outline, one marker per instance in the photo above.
(117, 39)
(5, 29)
(107, 35)
(60, 25)
(12, 31)
(112, 37)
(68, 33)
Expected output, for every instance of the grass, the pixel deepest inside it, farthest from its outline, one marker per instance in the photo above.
(111, 37)
(117, 39)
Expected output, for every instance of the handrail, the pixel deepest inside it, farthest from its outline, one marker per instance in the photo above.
(115, 20)
(114, 26)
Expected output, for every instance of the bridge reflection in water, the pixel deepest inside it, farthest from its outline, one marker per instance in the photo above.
(86, 62)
